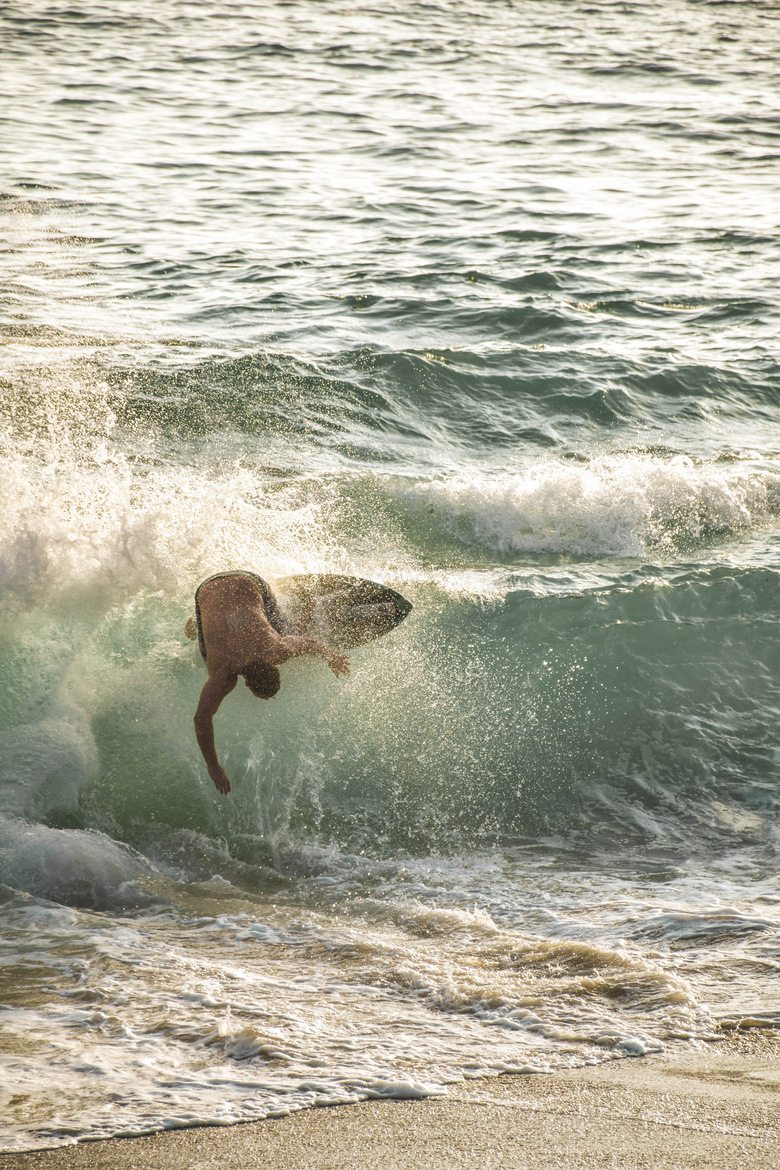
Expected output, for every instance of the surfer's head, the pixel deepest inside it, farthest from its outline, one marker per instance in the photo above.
(263, 680)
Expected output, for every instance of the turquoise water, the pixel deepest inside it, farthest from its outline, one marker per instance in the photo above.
(478, 300)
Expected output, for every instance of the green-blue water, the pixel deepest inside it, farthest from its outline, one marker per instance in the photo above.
(479, 300)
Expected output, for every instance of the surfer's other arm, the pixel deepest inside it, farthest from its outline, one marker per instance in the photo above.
(293, 646)
(216, 687)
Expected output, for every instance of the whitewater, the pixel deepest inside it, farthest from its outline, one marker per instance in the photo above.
(477, 300)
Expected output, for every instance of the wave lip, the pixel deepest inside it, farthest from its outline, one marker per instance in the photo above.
(621, 505)
(78, 867)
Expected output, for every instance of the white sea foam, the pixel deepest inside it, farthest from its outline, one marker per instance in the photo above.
(82, 507)
(624, 505)
(217, 1018)
(117, 529)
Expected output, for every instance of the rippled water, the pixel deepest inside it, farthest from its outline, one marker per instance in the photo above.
(476, 299)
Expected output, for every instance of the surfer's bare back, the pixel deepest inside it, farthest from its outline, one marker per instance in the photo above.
(241, 632)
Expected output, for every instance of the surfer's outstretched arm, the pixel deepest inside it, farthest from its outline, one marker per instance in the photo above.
(216, 687)
(276, 649)
(293, 646)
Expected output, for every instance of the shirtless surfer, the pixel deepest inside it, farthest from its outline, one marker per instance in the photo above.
(241, 632)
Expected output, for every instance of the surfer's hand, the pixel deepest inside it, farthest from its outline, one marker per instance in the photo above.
(219, 776)
(338, 663)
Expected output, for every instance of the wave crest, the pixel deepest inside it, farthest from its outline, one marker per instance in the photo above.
(625, 505)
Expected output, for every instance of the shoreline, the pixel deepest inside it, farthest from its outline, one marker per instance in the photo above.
(713, 1106)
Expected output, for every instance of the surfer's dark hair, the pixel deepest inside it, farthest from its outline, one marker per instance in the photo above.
(263, 680)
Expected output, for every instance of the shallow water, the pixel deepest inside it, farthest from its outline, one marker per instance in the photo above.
(478, 300)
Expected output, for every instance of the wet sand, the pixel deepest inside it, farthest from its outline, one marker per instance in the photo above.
(714, 1106)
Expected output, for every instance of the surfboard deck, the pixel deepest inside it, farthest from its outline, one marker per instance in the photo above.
(342, 611)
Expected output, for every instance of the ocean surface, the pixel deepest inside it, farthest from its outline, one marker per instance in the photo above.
(475, 298)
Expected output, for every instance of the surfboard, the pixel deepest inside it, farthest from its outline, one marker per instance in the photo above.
(342, 611)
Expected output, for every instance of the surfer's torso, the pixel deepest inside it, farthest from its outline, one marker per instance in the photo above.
(233, 612)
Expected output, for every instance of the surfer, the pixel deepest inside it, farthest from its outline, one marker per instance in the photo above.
(241, 631)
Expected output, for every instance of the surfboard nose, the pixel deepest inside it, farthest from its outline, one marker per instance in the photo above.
(344, 611)
(403, 607)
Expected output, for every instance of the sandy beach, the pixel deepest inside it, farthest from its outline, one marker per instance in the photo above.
(711, 1106)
